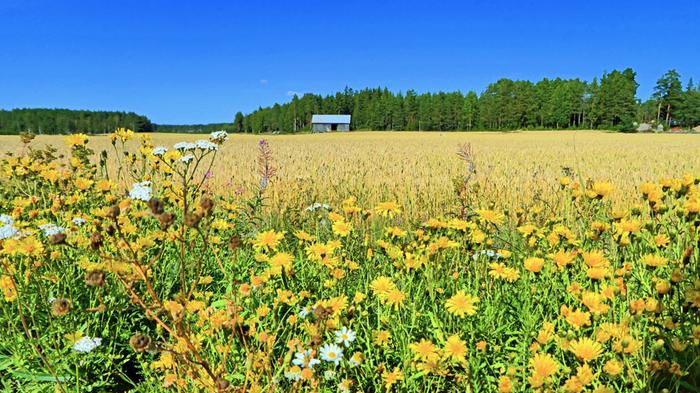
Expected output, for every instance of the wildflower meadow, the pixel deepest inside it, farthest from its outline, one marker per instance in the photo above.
(145, 263)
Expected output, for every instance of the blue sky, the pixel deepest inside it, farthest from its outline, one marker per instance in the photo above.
(201, 61)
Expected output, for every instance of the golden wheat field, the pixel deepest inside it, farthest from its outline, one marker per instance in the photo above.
(417, 169)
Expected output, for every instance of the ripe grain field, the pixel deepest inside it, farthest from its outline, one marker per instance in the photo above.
(417, 169)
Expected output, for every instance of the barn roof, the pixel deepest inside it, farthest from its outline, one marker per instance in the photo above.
(340, 119)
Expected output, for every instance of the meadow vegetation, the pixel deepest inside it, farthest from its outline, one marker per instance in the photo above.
(552, 261)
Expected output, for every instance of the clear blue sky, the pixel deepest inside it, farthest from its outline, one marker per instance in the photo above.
(201, 61)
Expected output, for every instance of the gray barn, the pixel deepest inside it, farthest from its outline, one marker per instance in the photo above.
(325, 123)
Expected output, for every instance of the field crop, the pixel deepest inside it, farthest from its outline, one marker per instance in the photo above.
(417, 169)
(412, 262)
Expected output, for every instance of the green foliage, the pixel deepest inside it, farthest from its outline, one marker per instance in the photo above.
(504, 105)
(195, 128)
(66, 121)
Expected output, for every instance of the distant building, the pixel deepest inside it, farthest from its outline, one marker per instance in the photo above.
(326, 123)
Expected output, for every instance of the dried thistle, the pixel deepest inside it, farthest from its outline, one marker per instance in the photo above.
(466, 154)
(140, 342)
(265, 168)
(60, 307)
(95, 278)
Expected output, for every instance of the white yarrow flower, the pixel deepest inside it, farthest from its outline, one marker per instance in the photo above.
(331, 353)
(87, 344)
(141, 191)
(6, 219)
(206, 145)
(8, 231)
(184, 146)
(78, 221)
(487, 253)
(51, 229)
(186, 159)
(159, 151)
(219, 136)
(315, 206)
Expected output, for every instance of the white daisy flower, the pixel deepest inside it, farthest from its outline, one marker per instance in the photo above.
(305, 359)
(87, 344)
(141, 191)
(344, 336)
(159, 150)
(331, 353)
(304, 312)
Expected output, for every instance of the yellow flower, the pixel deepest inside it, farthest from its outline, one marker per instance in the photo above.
(661, 240)
(388, 209)
(585, 375)
(381, 338)
(595, 259)
(395, 298)
(586, 349)
(390, 378)
(424, 350)
(545, 333)
(76, 140)
(8, 288)
(303, 236)
(505, 385)
(124, 134)
(82, 183)
(601, 189)
(613, 367)
(654, 260)
(563, 258)
(280, 261)
(534, 264)
(382, 285)
(503, 272)
(268, 240)
(542, 366)
(174, 308)
(342, 228)
(490, 216)
(578, 318)
(462, 304)
(359, 297)
(455, 349)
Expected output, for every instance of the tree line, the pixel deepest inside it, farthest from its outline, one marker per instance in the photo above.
(608, 102)
(62, 121)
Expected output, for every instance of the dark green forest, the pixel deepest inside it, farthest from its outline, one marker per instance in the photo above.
(63, 121)
(609, 102)
(195, 128)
